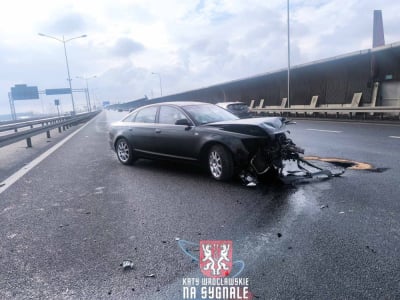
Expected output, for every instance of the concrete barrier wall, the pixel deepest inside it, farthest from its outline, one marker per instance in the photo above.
(334, 80)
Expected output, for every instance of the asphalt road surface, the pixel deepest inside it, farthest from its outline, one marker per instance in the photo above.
(68, 224)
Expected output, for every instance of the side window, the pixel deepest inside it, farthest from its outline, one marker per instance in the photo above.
(130, 118)
(169, 115)
(146, 115)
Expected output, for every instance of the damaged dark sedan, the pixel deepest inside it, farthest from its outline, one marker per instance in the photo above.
(205, 134)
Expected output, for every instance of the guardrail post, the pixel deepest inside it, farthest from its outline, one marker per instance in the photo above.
(48, 134)
(15, 130)
(28, 142)
(59, 129)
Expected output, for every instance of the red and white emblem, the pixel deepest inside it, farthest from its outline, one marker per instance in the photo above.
(216, 258)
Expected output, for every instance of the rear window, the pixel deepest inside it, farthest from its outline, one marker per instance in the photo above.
(238, 106)
(146, 115)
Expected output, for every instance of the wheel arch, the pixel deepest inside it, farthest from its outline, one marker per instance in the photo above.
(116, 139)
(207, 146)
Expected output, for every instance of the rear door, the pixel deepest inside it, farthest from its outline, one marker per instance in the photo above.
(142, 130)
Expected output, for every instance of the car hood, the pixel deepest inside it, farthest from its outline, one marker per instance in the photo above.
(252, 126)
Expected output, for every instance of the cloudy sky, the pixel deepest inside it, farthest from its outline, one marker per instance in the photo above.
(190, 43)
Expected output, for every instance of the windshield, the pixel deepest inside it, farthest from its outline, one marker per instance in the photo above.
(209, 113)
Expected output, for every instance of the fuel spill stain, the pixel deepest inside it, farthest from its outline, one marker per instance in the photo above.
(346, 163)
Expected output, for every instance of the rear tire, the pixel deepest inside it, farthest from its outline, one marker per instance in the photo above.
(124, 152)
(220, 163)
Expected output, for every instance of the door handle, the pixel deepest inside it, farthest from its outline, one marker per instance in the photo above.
(158, 130)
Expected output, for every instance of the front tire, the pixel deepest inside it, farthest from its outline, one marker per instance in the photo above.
(220, 163)
(124, 151)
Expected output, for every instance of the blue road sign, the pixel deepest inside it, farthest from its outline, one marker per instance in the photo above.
(24, 92)
(57, 91)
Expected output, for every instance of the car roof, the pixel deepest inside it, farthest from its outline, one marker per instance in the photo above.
(227, 103)
(178, 103)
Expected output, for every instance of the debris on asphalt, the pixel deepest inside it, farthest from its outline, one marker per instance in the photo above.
(127, 264)
(177, 239)
(150, 275)
(164, 242)
(290, 247)
(341, 212)
(324, 206)
(279, 234)
(369, 248)
(63, 225)
(248, 179)
(99, 190)
(109, 292)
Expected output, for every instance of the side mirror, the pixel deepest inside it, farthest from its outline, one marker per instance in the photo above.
(184, 122)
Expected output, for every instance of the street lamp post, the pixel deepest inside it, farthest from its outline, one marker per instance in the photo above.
(87, 90)
(64, 41)
(159, 76)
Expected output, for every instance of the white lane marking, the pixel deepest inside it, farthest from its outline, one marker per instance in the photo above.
(21, 172)
(394, 137)
(332, 131)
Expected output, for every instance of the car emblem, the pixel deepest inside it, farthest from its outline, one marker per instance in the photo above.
(216, 258)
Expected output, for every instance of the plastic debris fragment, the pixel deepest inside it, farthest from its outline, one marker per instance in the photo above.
(127, 264)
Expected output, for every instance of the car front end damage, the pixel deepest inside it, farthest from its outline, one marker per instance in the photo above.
(274, 151)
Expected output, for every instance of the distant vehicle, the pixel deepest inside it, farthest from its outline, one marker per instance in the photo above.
(239, 109)
(205, 134)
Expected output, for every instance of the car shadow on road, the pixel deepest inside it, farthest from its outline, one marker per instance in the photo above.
(268, 184)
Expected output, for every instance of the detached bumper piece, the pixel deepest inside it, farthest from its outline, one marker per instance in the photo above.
(272, 158)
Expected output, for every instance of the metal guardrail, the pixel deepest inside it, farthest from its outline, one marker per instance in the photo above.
(330, 110)
(21, 124)
(9, 122)
(62, 123)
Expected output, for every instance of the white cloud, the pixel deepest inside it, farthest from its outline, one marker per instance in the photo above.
(191, 43)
